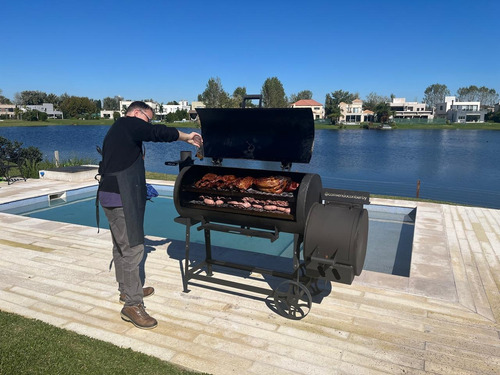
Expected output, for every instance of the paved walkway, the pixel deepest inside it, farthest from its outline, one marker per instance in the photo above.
(443, 319)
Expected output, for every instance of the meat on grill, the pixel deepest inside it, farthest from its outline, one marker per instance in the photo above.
(270, 205)
(273, 184)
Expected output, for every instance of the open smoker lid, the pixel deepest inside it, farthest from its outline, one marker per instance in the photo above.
(271, 134)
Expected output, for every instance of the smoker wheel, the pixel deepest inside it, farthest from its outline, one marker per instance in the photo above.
(292, 299)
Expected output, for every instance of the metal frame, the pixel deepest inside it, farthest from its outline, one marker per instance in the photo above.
(297, 285)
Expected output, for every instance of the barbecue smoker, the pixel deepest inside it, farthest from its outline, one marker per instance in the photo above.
(329, 225)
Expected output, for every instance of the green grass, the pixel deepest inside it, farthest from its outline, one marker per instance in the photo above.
(468, 126)
(189, 124)
(29, 346)
(160, 176)
(55, 122)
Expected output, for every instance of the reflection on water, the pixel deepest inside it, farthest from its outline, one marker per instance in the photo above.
(453, 165)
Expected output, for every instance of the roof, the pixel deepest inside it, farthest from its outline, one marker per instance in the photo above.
(307, 103)
(357, 101)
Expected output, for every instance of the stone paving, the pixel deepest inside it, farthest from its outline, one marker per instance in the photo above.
(443, 319)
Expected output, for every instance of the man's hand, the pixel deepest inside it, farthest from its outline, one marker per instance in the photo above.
(192, 138)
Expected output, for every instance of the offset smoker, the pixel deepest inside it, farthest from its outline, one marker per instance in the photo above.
(263, 203)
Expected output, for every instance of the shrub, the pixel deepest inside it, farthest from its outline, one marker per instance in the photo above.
(25, 160)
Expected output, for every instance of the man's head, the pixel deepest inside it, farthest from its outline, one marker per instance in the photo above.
(141, 110)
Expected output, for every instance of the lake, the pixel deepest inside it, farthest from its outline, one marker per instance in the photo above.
(460, 166)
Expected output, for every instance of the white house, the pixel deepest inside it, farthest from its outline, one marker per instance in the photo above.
(48, 108)
(160, 109)
(7, 110)
(108, 113)
(353, 113)
(317, 108)
(456, 111)
(403, 109)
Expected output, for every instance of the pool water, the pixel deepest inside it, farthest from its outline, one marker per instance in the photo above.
(390, 235)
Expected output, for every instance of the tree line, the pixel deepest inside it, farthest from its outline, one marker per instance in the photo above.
(272, 91)
(273, 96)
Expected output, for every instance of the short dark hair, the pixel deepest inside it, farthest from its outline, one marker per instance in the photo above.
(139, 105)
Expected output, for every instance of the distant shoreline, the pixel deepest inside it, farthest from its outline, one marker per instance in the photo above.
(192, 124)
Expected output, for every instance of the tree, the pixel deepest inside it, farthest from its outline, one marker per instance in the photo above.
(493, 116)
(434, 94)
(273, 94)
(333, 100)
(3, 99)
(301, 95)
(54, 99)
(30, 98)
(372, 100)
(238, 94)
(487, 97)
(383, 112)
(75, 106)
(111, 104)
(179, 115)
(214, 95)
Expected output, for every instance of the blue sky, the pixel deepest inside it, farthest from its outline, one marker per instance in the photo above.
(168, 50)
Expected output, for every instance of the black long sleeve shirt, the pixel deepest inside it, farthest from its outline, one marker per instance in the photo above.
(123, 145)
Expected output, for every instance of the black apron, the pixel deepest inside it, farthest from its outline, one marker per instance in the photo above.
(132, 186)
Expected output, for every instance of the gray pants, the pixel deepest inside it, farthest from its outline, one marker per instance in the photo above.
(127, 259)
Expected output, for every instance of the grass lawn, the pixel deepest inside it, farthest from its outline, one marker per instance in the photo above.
(29, 346)
(468, 126)
(190, 124)
(55, 122)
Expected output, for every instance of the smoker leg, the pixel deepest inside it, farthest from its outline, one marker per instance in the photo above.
(208, 249)
(297, 241)
(185, 279)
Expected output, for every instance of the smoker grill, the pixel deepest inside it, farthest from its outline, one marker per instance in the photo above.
(263, 203)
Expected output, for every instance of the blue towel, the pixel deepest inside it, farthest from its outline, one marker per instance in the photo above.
(150, 192)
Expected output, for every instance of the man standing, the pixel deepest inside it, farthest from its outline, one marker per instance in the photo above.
(122, 194)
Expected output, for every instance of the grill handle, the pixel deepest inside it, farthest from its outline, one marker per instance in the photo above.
(185, 160)
(251, 97)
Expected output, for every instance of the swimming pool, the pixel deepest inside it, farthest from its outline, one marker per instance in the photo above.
(390, 235)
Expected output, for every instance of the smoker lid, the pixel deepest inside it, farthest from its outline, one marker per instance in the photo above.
(270, 134)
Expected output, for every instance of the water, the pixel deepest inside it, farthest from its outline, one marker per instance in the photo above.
(390, 236)
(458, 166)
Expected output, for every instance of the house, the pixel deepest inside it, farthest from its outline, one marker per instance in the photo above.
(353, 113)
(48, 108)
(317, 108)
(7, 111)
(108, 113)
(193, 115)
(455, 111)
(409, 110)
(160, 109)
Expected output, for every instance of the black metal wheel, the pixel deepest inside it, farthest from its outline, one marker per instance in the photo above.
(292, 300)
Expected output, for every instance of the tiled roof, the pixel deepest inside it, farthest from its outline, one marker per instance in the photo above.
(307, 103)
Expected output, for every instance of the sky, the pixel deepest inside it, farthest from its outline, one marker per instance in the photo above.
(168, 50)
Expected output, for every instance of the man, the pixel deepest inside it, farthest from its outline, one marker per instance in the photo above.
(122, 194)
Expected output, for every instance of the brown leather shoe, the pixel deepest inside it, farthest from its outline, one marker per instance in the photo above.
(148, 291)
(138, 316)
